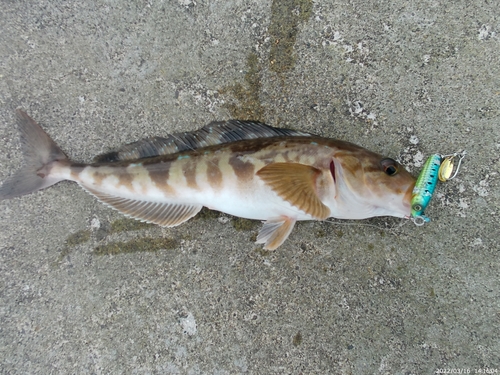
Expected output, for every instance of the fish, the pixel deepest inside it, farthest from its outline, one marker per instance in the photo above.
(242, 168)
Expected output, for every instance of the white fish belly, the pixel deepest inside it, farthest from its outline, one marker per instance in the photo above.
(249, 203)
(262, 207)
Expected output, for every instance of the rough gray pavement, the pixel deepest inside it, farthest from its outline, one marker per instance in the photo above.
(83, 291)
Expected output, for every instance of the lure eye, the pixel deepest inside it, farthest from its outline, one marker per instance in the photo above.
(417, 207)
(389, 166)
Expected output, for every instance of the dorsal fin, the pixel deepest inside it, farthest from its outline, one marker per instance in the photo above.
(214, 133)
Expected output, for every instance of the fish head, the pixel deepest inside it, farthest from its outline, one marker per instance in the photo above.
(369, 184)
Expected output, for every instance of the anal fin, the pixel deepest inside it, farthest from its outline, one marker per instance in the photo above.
(164, 214)
(275, 232)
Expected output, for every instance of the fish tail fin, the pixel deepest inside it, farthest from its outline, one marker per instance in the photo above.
(41, 153)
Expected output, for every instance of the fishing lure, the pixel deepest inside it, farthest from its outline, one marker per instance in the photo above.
(424, 189)
(437, 167)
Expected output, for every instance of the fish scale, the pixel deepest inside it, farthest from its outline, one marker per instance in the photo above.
(246, 169)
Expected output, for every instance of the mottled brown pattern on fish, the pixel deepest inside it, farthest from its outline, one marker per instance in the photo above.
(252, 145)
(214, 174)
(287, 156)
(159, 174)
(189, 172)
(125, 179)
(98, 177)
(323, 183)
(349, 162)
(271, 155)
(371, 169)
(290, 156)
(242, 169)
(75, 170)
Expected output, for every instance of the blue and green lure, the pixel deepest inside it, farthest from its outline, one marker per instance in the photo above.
(437, 167)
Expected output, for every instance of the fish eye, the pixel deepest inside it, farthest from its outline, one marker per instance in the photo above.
(389, 166)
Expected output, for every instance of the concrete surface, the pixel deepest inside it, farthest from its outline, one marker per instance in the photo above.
(83, 291)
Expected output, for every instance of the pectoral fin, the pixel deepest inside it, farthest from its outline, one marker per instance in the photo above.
(296, 183)
(275, 232)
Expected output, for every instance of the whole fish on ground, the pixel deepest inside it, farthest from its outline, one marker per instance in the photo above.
(242, 168)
